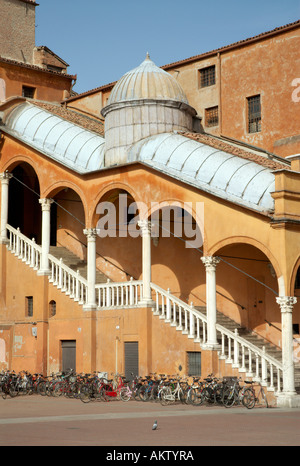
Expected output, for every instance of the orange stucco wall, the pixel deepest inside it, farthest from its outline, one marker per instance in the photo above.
(50, 87)
(243, 238)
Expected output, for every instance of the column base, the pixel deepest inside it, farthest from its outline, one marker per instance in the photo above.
(4, 241)
(42, 272)
(214, 346)
(288, 400)
(146, 303)
(89, 307)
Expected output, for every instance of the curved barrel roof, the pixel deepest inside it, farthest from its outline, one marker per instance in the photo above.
(66, 142)
(212, 170)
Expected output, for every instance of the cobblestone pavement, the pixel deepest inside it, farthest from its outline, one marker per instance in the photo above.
(43, 421)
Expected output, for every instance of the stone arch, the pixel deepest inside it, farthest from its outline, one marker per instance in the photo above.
(68, 217)
(118, 246)
(24, 210)
(103, 196)
(292, 282)
(177, 244)
(258, 245)
(247, 285)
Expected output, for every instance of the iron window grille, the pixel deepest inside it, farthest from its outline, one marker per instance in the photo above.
(254, 114)
(194, 363)
(212, 116)
(28, 92)
(208, 76)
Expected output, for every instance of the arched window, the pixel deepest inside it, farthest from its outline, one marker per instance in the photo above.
(52, 308)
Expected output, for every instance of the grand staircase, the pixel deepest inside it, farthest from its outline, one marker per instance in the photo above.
(244, 350)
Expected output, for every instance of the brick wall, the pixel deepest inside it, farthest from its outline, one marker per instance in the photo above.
(17, 30)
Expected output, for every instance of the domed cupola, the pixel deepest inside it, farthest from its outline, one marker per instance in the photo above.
(144, 102)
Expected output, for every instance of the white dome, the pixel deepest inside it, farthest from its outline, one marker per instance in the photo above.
(147, 81)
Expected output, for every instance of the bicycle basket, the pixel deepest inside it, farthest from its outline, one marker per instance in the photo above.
(230, 381)
(73, 379)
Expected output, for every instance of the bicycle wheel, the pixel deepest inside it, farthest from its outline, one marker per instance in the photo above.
(85, 394)
(229, 397)
(58, 390)
(125, 394)
(166, 397)
(195, 397)
(218, 394)
(103, 394)
(248, 398)
(42, 388)
(13, 390)
(144, 393)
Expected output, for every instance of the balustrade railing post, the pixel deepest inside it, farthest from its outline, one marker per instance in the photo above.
(168, 306)
(236, 351)
(264, 368)
(131, 292)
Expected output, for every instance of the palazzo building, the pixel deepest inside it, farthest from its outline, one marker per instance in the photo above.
(138, 242)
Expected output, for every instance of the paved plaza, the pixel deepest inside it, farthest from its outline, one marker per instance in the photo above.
(42, 421)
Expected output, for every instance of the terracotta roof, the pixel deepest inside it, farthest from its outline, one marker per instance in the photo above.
(263, 35)
(92, 91)
(36, 68)
(32, 2)
(89, 123)
(235, 149)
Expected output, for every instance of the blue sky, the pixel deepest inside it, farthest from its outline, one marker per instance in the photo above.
(102, 40)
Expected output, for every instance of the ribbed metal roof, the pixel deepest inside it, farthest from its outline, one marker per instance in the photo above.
(209, 169)
(222, 174)
(70, 144)
(147, 81)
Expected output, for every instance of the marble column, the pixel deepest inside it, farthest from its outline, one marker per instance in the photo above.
(4, 177)
(211, 263)
(46, 206)
(91, 234)
(286, 304)
(145, 227)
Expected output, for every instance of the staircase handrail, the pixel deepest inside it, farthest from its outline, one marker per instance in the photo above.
(248, 345)
(68, 269)
(223, 330)
(18, 233)
(179, 302)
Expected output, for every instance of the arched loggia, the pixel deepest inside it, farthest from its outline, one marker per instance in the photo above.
(24, 210)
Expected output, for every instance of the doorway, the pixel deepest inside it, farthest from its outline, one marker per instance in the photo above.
(131, 349)
(68, 348)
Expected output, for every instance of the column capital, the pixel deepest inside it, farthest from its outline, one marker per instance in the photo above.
(145, 226)
(210, 262)
(286, 303)
(5, 176)
(90, 232)
(46, 203)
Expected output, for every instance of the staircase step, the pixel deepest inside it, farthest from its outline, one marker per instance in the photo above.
(75, 263)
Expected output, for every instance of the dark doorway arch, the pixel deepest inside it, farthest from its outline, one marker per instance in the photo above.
(24, 210)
